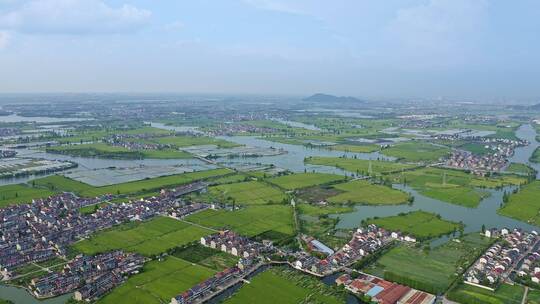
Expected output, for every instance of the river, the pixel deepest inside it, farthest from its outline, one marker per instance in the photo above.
(473, 218)
(522, 154)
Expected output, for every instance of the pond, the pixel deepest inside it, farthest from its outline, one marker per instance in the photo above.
(22, 296)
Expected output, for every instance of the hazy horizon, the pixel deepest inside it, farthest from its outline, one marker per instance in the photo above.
(448, 49)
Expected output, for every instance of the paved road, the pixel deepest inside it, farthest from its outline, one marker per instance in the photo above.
(524, 300)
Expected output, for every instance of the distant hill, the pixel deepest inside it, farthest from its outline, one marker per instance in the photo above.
(319, 97)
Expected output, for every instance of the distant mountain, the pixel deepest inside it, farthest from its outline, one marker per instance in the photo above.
(319, 97)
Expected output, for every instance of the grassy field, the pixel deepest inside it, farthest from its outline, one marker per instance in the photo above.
(423, 225)
(364, 192)
(505, 294)
(159, 282)
(355, 148)
(249, 221)
(524, 205)
(148, 238)
(186, 141)
(476, 148)
(434, 270)
(535, 158)
(65, 184)
(313, 210)
(61, 183)
(303, 180)
(284, 286)
(416, 151)
(20, 193)
(250, 193)
(519, 168)
(205, 256)
(94, 135)
(103, 150)
(452, 186)
(360, 166)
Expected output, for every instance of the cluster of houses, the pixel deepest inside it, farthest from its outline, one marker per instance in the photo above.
(383, 292)
(182, 211)
(251, 255)
(7, 153)
(9, 131)
(90, 276)
(478, 164)
(225, 129)
(529, 271)
(365, 241)
(206, 288)
(132, 141)
(41, 230)
(237, 245)
(507, 255)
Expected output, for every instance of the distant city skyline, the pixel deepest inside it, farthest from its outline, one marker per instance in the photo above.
(471, 49)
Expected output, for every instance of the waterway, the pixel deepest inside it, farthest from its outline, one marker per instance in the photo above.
(522, 154)
(298, 124)
(175, 128)
(17, 118)
(21, 296)
(91, 163)
(293, 160)
(473, 218)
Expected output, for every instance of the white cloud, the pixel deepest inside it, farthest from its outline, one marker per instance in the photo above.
(73, 17)
(277, 5)
(4, 39)
(440, 26)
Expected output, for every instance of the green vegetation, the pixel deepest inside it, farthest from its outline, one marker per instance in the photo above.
(423, 225)
(524, 205)
(283, 285)
(250, 193)
(148, 238)
(61, 183)
(313, 210)
(355, 148)
(476, 148)
(432, 270)
(364, 192)
(303, 180)
(535, 158)
(81, 136)
(145, 185)
(186, 141)
(505, 294)
(205, 256)
(452, 186)
(158, 282)
(521, 169)
(20, 193)
(249, 221)
(103, 150)
(360, 166)
(314, 220)
(416, 151)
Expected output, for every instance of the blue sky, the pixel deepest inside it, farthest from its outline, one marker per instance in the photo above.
(376, 49)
